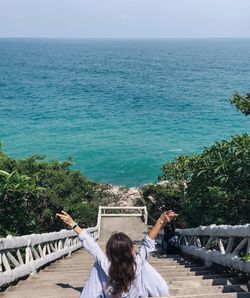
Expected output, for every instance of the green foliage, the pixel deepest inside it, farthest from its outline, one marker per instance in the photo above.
(242, 103)
(159, 198)
(33, 190)
(179, 170)
(217, 183)
(220, 185)
(16, 193)
(170, 193)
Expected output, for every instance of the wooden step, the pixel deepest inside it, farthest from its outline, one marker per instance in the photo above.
(66, 277)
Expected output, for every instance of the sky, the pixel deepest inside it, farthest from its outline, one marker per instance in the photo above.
(125, 18)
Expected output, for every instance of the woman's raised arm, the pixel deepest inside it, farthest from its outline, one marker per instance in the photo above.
(148, 244)
(87, 241)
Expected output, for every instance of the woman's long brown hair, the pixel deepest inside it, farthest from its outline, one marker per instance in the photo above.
(122, 264)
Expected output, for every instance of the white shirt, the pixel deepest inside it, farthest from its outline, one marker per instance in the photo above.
(148, 281)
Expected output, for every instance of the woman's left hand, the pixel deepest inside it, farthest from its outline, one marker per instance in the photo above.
(167, 216)
(65, 217)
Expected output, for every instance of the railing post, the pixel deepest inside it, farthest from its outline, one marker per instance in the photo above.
(6, 262)
(221, 246)
(27, 255)
(145, 215)
(1, 263)
(230, 245)
(207, 246)
(240, 246)
(12, 259)
(40, 251)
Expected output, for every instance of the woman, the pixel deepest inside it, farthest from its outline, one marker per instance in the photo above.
(122, 272)
(173, 240)
(169, 233)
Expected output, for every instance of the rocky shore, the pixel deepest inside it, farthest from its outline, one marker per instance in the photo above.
(124, 196)
(121, 196)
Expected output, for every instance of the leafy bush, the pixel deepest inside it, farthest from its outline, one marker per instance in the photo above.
(159, 198)
(220, 185)
(32, 190)
(217, 183)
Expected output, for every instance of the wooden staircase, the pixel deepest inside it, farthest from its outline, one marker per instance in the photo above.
(66, 277)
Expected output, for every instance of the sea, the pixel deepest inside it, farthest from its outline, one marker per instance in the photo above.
(120, 108)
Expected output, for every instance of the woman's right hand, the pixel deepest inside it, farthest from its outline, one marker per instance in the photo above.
(66, 218)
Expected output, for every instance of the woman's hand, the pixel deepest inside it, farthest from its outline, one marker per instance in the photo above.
(167, 216)
(66, 218)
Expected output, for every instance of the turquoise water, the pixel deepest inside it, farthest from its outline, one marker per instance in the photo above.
(120, 108)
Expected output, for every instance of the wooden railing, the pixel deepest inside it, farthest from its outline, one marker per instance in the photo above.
(24, 255)
(224, 245)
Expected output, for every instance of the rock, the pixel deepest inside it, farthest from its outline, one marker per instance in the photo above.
(122, 196)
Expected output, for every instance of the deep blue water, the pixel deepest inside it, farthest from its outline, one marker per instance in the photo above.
(120, 108)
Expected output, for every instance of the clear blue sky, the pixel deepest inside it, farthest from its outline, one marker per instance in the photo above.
(124, 18)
